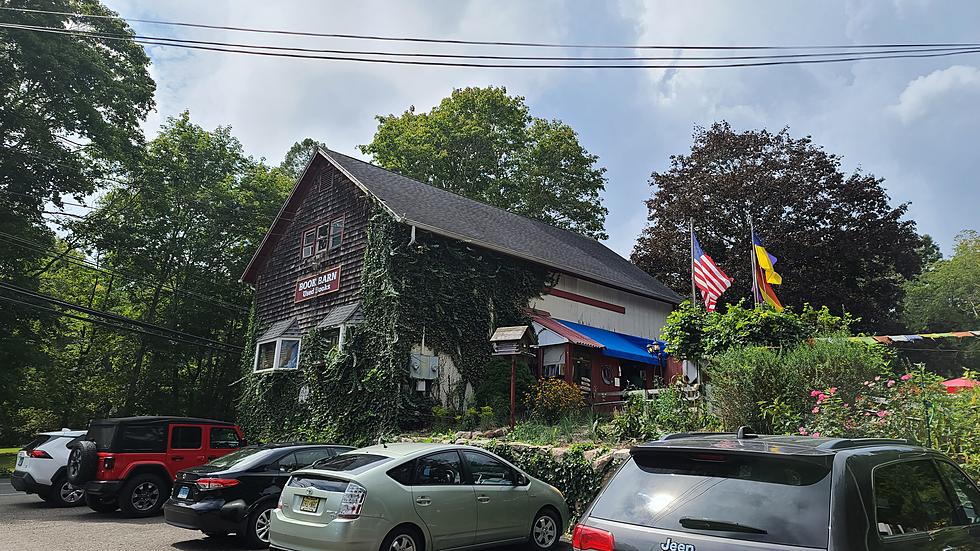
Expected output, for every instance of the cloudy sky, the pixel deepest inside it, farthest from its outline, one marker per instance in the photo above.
(915, 123)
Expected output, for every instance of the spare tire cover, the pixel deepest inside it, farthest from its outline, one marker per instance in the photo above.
(83, 461)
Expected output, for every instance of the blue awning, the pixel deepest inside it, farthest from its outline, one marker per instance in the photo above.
(618, 345)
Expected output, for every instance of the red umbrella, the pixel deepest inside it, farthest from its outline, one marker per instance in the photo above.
(956, 385)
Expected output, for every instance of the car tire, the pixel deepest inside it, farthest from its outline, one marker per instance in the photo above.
(63, 494)
(143, 495)
(545, 531)
(255, 533)
(101, 504)
(83, 462)
(403, 538)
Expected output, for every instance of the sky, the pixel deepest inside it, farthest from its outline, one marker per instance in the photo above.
(913, 122)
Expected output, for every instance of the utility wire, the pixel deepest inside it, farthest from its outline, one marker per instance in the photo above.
(848, 57)
(112, 36)
(117, 318)
(479, 42)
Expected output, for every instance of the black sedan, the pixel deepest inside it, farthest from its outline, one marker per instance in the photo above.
(235, 494)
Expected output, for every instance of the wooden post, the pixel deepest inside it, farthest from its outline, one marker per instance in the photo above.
(513, 388)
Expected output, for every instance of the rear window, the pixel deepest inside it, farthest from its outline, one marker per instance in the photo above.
(38, 441)
(352, 462)
(320, 483)
(780, 500)
(102, 436)
(244, 458)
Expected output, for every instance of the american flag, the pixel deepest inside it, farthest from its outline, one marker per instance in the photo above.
(707, 276)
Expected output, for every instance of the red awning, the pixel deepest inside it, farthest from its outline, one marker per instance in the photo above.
(572, 335)
(956, 385)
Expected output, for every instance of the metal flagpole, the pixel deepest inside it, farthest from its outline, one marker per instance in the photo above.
(755, 283)
(694, 296)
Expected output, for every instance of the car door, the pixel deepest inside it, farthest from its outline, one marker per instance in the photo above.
(501, 505)
(913, 510)
(186, 448)
(445, 504)
(966, 502)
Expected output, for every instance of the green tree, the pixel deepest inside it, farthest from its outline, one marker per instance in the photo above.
(484, 144)
(928, 251)
(298, 156)
(838, 240)
(70, 109)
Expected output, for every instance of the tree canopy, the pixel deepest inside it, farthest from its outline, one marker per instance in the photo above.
(298, 156)
(838, 240)
(484, 144)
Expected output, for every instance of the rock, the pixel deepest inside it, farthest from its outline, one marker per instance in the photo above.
(558, 452)
(590, 455)
(600, 463)
(461, 435)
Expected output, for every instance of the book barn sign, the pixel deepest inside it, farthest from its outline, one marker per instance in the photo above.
(315, 285)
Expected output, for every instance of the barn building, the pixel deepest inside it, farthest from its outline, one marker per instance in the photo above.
(597, 321)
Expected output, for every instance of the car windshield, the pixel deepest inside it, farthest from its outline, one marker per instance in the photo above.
(351, 462)
(772, 499)
(244, 458)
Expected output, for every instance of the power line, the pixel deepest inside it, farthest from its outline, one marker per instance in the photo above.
(188, 337)
(112, 36)
(848, 57)
(478, 42)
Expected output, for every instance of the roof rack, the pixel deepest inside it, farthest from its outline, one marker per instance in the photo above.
(845, 443)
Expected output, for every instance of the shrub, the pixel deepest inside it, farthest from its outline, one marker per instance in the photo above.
(550, 399)
(493, 390)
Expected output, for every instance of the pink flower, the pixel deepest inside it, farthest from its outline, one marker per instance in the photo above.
(891, 383)
(882, 414)
(816, 435)
(906, 377)
(803, 431)
(821, 397)
(833, 390)
(816, 409)
(814, 393)
(878, 377)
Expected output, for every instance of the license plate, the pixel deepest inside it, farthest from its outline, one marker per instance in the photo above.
(183, 492)
(309, 504)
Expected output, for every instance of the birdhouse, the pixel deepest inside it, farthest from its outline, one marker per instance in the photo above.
(512, 341)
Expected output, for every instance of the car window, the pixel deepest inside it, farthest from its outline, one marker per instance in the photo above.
(352, 462)
(439, 469)
(102, 435)
(39, 440)
(403, 473)
(185, 438)
(140, 439)
(487, 471)
(909, 497)
(244, 458)
(223, 438)
(965, 493)
(286, 463)
(778, 499)
(310, 456)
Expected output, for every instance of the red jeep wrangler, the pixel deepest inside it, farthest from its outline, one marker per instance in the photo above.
(130, 463)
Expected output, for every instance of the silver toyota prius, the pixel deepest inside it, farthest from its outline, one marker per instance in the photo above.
(415, 497)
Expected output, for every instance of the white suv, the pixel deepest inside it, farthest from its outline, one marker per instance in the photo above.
(42, 469)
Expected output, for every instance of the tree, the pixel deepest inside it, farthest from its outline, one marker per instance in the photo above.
(298, 156)
(838, 240)
(70, 109)
(928, 251)
(484, 144)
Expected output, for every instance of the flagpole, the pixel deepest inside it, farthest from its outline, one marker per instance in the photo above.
(755, 283)
(694, 297)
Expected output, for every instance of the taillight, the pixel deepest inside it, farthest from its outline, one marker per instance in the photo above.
(586, 537)
(215, 483)
(108, 463)
(40, 454)
(353, 500)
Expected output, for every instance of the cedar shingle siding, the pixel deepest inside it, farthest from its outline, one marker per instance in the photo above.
(329, 196)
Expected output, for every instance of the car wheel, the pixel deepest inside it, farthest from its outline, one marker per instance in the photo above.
(143, 495)
(64, 494)
(544, 530)
(83, 462)
(403, 539)
(255, 534)
(100, 504)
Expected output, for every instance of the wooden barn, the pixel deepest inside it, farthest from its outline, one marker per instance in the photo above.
(596, 321)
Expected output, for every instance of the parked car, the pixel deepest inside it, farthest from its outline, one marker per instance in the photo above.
(129, 463)
(237, 493)
(753, 492)
(410, 497)
(42, 469)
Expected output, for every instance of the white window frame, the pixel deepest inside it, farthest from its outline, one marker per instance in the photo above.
(276, 367)
(308, 248)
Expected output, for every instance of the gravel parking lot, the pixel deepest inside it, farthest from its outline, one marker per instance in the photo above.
(27, 524)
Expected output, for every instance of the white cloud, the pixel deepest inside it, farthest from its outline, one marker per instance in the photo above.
(959, 83)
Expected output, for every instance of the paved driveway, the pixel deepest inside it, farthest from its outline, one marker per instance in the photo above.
(27, 524)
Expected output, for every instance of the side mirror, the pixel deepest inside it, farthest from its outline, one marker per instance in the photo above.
(521, 480)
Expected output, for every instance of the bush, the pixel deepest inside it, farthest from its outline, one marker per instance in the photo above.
(550, 399)
(493, 390)
(666, 412)
(747, 382)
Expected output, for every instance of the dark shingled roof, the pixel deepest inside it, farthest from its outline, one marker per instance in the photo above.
(339, 315)
(445, 213)
(458, 217)
(282, 328)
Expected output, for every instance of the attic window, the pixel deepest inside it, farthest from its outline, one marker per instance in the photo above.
(336, 233)
(309, 238)
(322, 238)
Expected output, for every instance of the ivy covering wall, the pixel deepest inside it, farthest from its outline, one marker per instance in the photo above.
(447, 293)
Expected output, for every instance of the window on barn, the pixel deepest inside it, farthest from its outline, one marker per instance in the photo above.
(322, 238)
(309, 239)
(336, 233)
(277, 354)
